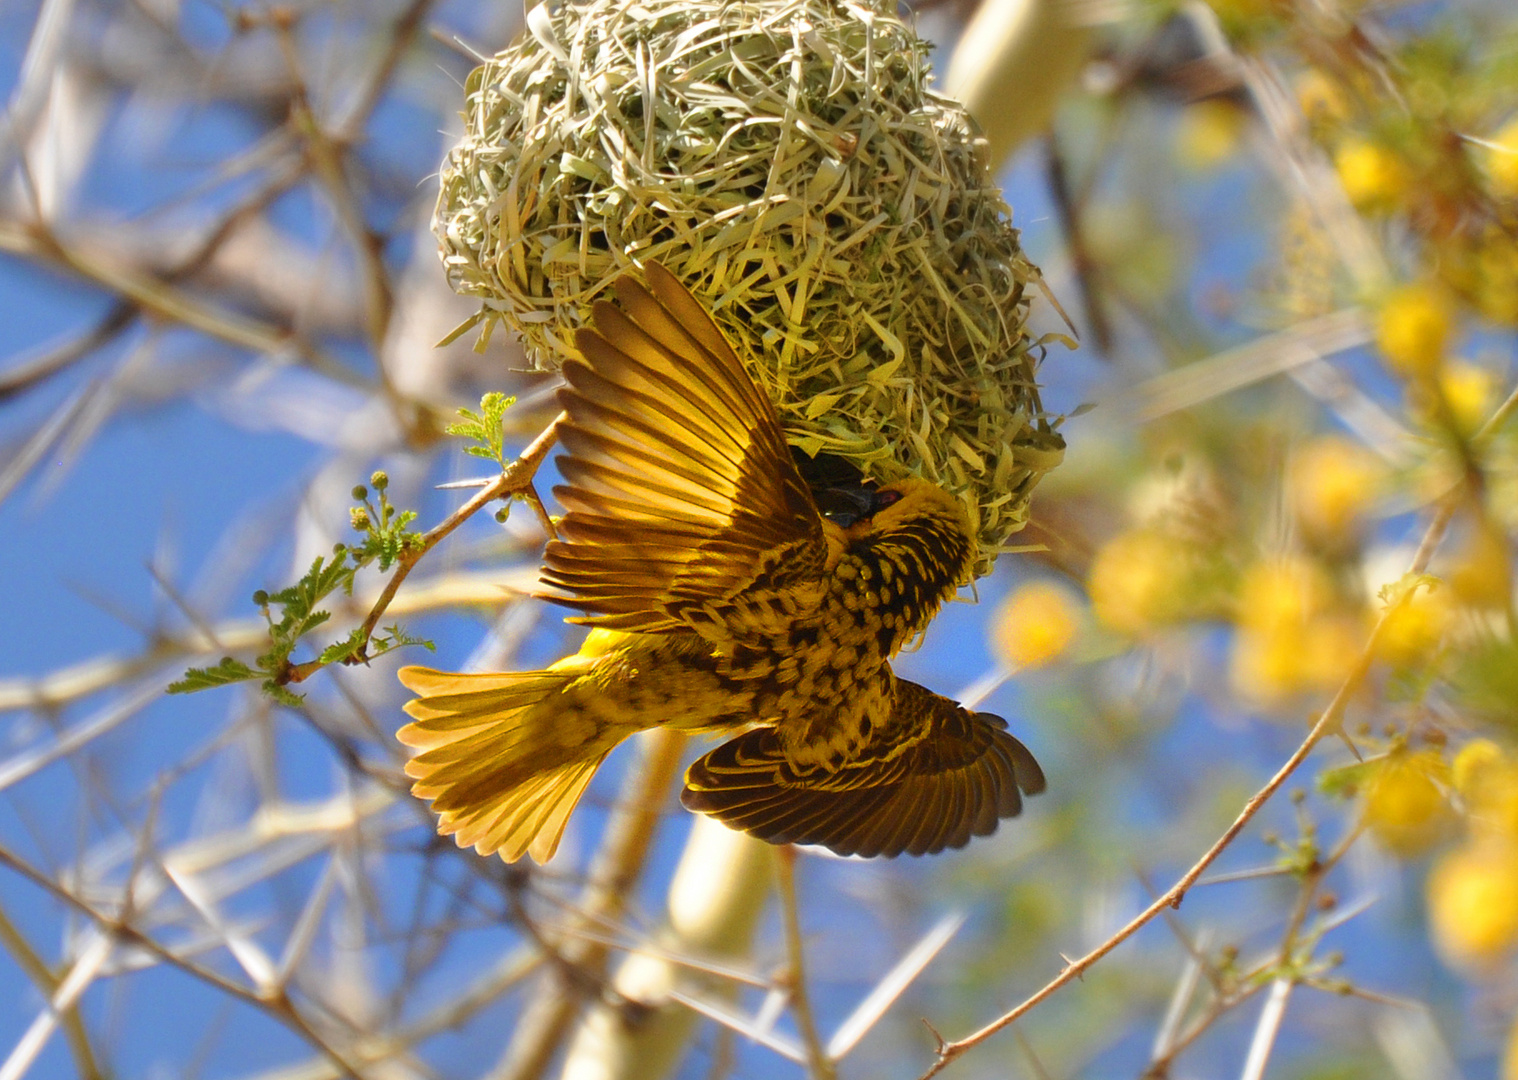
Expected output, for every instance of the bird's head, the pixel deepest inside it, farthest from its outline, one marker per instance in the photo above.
(912, 519)
(910, 502)
(916, 534)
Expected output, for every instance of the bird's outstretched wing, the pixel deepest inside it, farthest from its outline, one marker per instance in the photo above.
(933, 777)
(680, 494)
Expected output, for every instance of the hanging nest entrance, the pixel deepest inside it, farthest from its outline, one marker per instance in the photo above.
(787, 160)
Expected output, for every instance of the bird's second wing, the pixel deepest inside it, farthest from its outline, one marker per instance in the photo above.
(680, 490)
(933, 777)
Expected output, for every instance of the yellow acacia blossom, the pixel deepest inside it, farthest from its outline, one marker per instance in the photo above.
(1414, 630)
(1282, 592)
(1136, 581)
(1473, 903)
(1413, 328)
(1486, 779)
(1406, 806)
(1332, 485)
(1470, 392)
(1501, 160)
(1290, 639)
(1481, 568)
(1372, 176)
(1035, 624)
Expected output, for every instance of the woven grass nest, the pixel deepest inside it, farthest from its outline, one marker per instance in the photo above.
(787, 160)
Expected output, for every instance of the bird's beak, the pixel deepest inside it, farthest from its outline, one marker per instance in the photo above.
(845, 506)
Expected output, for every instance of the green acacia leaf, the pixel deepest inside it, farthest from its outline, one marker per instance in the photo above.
(485, 428)
(284, 697)
(345, 649)
(224, 673)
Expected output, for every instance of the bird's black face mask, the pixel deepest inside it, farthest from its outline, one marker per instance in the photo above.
(842, 493)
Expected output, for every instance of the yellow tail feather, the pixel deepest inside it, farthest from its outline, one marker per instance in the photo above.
(503, 774)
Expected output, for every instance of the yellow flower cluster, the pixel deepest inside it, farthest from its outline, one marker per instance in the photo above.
(1293, 636)
(1470, 393)
(1481, 570)
(1301, 616)
(1406, 802)
(1035, 625)
(1473, 890)
(1332, 486)
(1414, 630)
(1139, 580)
(1372, 176)
(1413, 329)
(1501, 161)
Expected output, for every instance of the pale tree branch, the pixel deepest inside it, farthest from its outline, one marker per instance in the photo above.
(582, 959)
(818, 1063)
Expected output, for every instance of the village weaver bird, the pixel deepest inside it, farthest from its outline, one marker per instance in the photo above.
(722, 600)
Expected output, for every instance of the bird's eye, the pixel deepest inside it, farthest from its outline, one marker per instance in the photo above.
(884, 499)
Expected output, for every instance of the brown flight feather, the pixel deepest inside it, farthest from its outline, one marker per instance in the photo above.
(936, 776)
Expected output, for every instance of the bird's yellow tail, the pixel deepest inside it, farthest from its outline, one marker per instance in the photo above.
(502, 771)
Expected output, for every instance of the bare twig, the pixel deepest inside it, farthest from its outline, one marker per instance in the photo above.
(128, 934)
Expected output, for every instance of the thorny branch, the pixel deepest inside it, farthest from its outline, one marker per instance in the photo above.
(1288, 961)
(1327, 724)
